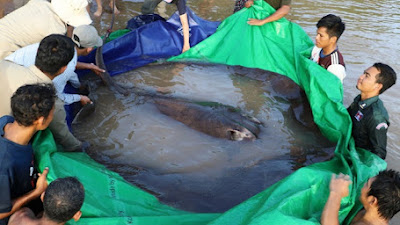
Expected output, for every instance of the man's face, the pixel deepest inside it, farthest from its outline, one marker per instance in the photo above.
(367, 81)
(364, 191)
(322, 39)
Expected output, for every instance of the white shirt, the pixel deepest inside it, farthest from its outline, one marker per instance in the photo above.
(26, 57)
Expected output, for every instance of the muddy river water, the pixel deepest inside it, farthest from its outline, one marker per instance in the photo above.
(193, 171)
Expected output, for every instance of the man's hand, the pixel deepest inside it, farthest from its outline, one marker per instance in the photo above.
(41, 183)
(256, 22)
(97, 70)
(340, 184)
(249, 3)
(85, 100)
(185, 48)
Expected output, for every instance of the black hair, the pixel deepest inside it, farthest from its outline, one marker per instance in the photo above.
(54, 52)
(386, 188)
(333, 24)
(32, 101)
(63, 198)
(387, 77)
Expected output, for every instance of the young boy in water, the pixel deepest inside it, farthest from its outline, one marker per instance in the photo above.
(62, 201)
(380, 197)
(325, 51)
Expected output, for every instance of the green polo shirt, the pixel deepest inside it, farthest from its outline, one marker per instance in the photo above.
(370, 123)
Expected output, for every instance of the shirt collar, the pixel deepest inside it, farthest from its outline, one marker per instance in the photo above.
(40, 74)
(367, 102)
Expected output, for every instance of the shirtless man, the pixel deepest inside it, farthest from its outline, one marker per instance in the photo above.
(380, 197)
(62, 201)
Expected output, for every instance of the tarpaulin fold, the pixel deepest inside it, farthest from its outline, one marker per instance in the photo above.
(281, 47)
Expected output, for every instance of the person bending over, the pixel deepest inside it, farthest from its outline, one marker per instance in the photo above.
(54, 53)
(380, 197)
(32, 109)
(62, 201)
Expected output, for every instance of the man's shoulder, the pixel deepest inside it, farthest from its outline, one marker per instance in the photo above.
(379, 112)
(23, 216)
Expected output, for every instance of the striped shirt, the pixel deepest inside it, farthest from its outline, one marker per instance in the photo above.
(333, 62)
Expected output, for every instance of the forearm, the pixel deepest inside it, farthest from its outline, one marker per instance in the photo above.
(280, 13)
(330, 215)
(185, 29)
(20, 202)
(83, 66)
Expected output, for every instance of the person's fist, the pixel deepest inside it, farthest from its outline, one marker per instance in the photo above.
(340, 184)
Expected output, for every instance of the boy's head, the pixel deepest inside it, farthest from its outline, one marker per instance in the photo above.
(383, 192)
(34, 105)
(330, 28)
(86, 39)
(63, 199)
(54, 53)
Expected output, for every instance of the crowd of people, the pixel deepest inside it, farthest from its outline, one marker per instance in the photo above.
(39, 55)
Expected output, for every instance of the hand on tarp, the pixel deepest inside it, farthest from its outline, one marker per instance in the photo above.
(256, 22)
(340, 185)
(41, 183)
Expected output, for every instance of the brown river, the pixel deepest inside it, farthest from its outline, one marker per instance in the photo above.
(193, 171)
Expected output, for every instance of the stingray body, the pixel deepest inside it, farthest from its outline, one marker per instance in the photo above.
(218, 121)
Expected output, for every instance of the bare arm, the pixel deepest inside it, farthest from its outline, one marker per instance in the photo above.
(281, 12)
(41, 186)
(339, 188)
(185, 29)
(90, 66)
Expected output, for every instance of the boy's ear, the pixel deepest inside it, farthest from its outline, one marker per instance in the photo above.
(372, 200)
(333, 39)
(40, 121)
(42, 196)
(77, 215)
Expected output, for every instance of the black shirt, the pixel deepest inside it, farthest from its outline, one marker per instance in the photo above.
(16, 169)
(370, 122)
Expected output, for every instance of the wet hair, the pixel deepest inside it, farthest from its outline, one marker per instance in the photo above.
(54, 52)
(387, 77)
(63, 198)
(333, 24)
(30, 102)
(386, 188)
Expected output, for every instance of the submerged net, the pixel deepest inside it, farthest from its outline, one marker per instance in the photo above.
(281, 47)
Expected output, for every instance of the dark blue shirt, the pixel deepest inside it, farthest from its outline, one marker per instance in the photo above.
(16, 169)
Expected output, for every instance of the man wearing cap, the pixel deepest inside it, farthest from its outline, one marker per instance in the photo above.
(53, 55)
(85, 38)
(38, 19)
(149, 6)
